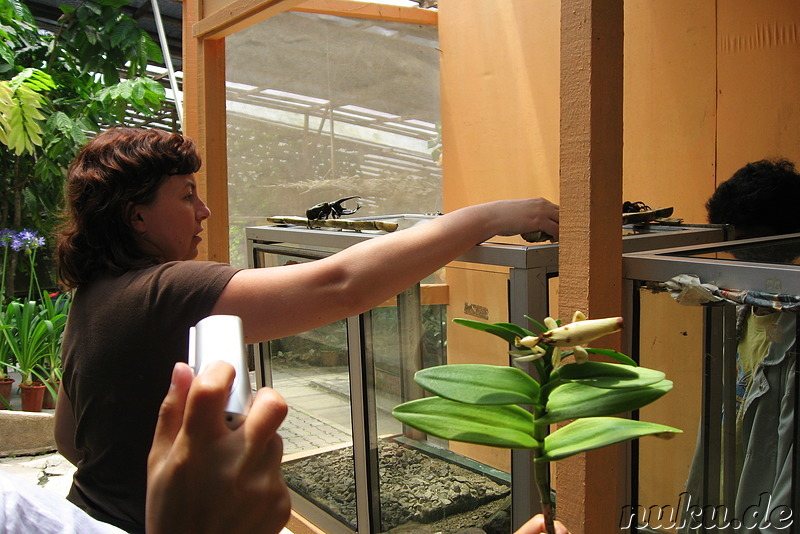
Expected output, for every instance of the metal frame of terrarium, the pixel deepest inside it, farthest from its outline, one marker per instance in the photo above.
(716, 433)
(530, 269)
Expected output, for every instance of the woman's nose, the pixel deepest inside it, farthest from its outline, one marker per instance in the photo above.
(203, 212)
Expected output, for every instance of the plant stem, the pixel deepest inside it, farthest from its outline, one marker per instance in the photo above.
(33, 278)
(541, 473)
(3, 279)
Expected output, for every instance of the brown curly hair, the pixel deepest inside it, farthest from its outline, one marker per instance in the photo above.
(118, 169)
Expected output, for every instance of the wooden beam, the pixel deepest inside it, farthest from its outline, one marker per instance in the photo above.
(237, 16)
(204, 121)
(591, 487)
(370, 10)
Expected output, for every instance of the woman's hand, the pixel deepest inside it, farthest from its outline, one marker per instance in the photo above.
(204, 477)
(512, 217)
(536, 526)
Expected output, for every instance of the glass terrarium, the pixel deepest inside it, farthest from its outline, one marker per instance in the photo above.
(731, 352)
(350, 465)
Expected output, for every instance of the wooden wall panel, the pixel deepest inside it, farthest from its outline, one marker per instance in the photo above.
(759, 76)
(499, 99)
(669, 105)
(475, 289)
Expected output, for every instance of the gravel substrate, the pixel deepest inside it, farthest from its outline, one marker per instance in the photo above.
(419, 492)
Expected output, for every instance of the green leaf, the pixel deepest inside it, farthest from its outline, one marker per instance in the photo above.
(614, 355)
(125, 89)
(540, 326)
(27, 335)
(479, 384)
(498, 329)
(507, 426)
(521, 332)
(122, 32)
(573, 400)
(138, 91)
(596, 432)
(92, 7)
(607, 375)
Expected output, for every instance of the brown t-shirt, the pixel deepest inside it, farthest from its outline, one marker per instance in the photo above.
(123, 337)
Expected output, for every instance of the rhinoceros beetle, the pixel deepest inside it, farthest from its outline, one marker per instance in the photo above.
(331, 210)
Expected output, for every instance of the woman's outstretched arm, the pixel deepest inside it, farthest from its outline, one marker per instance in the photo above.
(275, 302)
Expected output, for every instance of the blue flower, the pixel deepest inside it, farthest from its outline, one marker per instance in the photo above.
(6, 236)
(27, 240)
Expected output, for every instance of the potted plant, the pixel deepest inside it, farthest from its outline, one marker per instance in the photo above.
(26, 332)
(6, 382)
(482, 404)
(54, 310)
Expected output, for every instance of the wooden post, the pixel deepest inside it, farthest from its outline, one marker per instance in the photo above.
(204, 121)
(591, 487)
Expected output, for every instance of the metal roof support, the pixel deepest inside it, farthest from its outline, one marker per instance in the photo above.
(162, 37)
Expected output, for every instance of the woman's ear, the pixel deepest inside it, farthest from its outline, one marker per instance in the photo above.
(135, 218)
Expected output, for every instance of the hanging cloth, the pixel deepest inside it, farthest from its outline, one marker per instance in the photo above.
(687, 289)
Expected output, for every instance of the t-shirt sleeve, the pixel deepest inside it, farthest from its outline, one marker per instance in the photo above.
(179, 294)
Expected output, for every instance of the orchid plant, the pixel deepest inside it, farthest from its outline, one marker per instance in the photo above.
(483, 404)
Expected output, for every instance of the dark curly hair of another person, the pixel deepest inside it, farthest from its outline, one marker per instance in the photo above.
(761, 198)
(118, 169)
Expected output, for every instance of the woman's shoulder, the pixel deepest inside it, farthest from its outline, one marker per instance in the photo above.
(190, 273)
(170, 286)
(176, 268)
(192, 266)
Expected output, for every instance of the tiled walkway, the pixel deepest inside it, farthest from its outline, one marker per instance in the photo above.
(319, 408)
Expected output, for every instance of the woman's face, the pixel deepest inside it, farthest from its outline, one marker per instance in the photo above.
(169, 227)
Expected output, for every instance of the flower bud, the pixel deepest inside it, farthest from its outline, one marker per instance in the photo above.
(527, 341)
(579, 333)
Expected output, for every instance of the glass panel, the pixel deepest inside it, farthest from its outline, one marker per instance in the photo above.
(780, 251)
(428, 484)
(321, 108)
(310, 371)
(671, 340)
(766, 418)
(734, 396)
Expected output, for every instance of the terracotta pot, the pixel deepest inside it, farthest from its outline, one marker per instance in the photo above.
(49, 402)
(32, 397)
(5, 391)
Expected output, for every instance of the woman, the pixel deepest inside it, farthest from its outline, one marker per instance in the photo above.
(133, 219)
